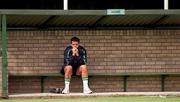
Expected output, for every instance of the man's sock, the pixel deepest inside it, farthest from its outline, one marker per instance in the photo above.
(85, 82)
(67, 82)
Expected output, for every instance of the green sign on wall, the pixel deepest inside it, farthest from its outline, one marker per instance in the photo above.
(115, 11)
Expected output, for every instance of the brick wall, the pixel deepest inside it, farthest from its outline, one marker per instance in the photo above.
(109, 52)
(144, 84)
(97, 84)
(32, 84)
(172, 83)
(24, 85)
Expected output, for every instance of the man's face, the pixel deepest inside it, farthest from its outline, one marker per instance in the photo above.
(75, 44)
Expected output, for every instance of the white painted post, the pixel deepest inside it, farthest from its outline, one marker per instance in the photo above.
(65, 4)
(166, 4)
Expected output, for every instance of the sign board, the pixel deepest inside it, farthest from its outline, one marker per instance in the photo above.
(115, 11)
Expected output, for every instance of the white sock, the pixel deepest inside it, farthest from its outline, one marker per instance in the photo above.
(67, 85)
(85, 83)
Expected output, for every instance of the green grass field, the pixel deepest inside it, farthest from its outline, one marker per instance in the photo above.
(99, 99)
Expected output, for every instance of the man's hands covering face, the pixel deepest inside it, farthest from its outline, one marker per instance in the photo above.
(75, 51)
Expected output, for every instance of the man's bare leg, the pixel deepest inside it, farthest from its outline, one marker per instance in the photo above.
(67, 78)
(83, 71)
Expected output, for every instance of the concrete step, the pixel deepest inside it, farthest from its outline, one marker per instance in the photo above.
(106, 94)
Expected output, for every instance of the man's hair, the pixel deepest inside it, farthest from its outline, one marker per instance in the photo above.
(75, 39)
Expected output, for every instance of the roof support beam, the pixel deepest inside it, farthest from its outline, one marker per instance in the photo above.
(52, 12)
(86, 12)
(152, 12)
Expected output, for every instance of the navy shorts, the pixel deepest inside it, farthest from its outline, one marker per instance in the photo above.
(74, 68)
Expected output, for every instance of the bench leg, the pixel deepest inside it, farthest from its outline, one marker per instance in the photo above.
(42, 84)
(162, 82)
(125, 83)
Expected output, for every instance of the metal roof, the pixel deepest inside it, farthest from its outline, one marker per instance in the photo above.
(91, 18)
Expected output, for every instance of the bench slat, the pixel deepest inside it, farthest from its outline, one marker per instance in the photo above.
(91, 74)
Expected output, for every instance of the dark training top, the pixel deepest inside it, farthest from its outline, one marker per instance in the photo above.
(71, 60)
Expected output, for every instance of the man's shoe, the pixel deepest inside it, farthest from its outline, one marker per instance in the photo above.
(87, 91)
(65, 91)
(56, 90)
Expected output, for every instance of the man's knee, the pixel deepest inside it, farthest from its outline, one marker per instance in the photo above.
(83, 68)
(68, 69)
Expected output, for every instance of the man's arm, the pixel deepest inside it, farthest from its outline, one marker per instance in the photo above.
(84, 56)
(67, 56)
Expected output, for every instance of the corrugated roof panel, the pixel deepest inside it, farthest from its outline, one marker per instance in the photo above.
(29, 20)
(132, 20)
(171, 20)
(74, 20)
(92, 20)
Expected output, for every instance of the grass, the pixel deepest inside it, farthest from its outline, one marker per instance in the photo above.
(99, 99)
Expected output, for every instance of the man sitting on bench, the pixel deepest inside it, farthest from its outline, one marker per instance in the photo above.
(75, 60)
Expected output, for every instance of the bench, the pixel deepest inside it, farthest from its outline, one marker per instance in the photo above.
(124, 75)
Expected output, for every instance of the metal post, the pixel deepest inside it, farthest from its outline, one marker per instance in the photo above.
(4, 57)
(166, 4)
(65, 4)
